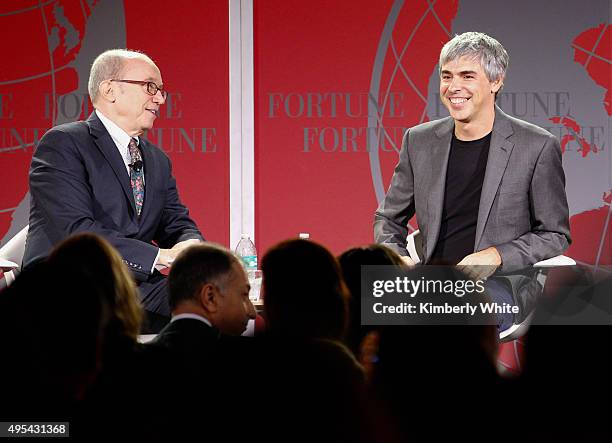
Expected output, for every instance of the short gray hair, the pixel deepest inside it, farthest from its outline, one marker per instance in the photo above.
(489, 52)
(196, 266)
(108, 65)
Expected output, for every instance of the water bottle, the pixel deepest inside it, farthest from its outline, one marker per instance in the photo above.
(247, 252)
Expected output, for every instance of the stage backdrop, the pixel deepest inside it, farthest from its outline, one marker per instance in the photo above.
(47, 51)
(337, 83)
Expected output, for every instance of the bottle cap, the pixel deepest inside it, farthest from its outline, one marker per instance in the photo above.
(304, 235)
(244, 235)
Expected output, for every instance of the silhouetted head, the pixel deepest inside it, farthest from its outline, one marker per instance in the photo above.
(93, 257)
(53, 323)
(304, 293)
(352, 259)
(350, 264)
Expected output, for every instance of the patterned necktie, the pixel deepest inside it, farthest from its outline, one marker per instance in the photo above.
(136, 175)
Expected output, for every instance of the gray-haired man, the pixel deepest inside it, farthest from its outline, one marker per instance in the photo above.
(101, 175)
(487, 189)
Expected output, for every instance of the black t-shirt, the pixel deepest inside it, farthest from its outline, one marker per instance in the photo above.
(467, 163)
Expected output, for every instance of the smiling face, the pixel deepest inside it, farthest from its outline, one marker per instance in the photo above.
(468, 94)
(134, 109)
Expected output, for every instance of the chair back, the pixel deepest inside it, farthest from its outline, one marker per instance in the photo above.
(11, 255)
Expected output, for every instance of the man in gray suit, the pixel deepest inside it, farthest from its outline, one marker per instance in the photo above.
(487, 189)
(506, 169)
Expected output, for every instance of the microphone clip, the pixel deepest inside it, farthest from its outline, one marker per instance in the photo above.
(136, 166)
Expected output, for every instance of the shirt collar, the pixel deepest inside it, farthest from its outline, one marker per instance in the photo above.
(119, 136)
(192, 316)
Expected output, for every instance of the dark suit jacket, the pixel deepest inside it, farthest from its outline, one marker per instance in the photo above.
(190, 339)
(523, 208)
(214, 372)
(78, 182)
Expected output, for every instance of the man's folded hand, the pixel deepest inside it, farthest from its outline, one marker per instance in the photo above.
(167, 256)
(481, 264)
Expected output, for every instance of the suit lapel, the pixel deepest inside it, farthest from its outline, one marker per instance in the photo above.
(108, 148)
(499, 154)
(440, 152)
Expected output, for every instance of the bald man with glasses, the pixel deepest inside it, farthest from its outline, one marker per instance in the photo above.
(102, 176)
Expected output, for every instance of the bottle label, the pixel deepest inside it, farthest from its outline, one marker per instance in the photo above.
(250, 261)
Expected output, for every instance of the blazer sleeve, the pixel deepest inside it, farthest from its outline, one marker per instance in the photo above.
(549, 214)
(61, 190)
(175, 224)
(396, 209)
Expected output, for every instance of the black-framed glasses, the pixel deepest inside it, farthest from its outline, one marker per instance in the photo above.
(151, 87)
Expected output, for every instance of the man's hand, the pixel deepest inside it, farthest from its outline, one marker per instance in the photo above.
(167, 256)
(408, 261)
(185, 244)
(481, 264)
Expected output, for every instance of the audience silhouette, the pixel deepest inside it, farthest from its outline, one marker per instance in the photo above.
(69, 329)
(51, 337)
(363, 340)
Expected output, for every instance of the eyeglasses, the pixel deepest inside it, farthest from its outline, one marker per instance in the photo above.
(151, 87)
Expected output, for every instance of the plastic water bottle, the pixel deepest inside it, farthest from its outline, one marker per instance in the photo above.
(247, 252)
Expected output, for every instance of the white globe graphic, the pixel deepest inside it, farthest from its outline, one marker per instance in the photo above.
(43, 82)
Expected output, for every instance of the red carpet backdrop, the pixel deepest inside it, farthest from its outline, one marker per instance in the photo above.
(336, 84)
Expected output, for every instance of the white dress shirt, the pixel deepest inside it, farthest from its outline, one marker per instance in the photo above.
(122, 141)
(193, 316)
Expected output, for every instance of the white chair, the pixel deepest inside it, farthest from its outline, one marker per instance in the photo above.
(146, 338)
(414, 246)
(11, 255)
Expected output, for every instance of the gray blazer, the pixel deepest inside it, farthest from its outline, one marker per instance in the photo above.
(523, 208)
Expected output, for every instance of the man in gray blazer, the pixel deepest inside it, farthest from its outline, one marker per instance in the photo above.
(522, 214)
(487, 189)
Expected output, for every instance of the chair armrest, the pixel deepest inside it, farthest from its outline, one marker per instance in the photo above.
(7, 265)
(13, 249)
(559, 260)
(414, 245)
(145, 338)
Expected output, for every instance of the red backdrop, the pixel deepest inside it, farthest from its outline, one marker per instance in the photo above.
(313, 171)
(315, 64)
(50, 53)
